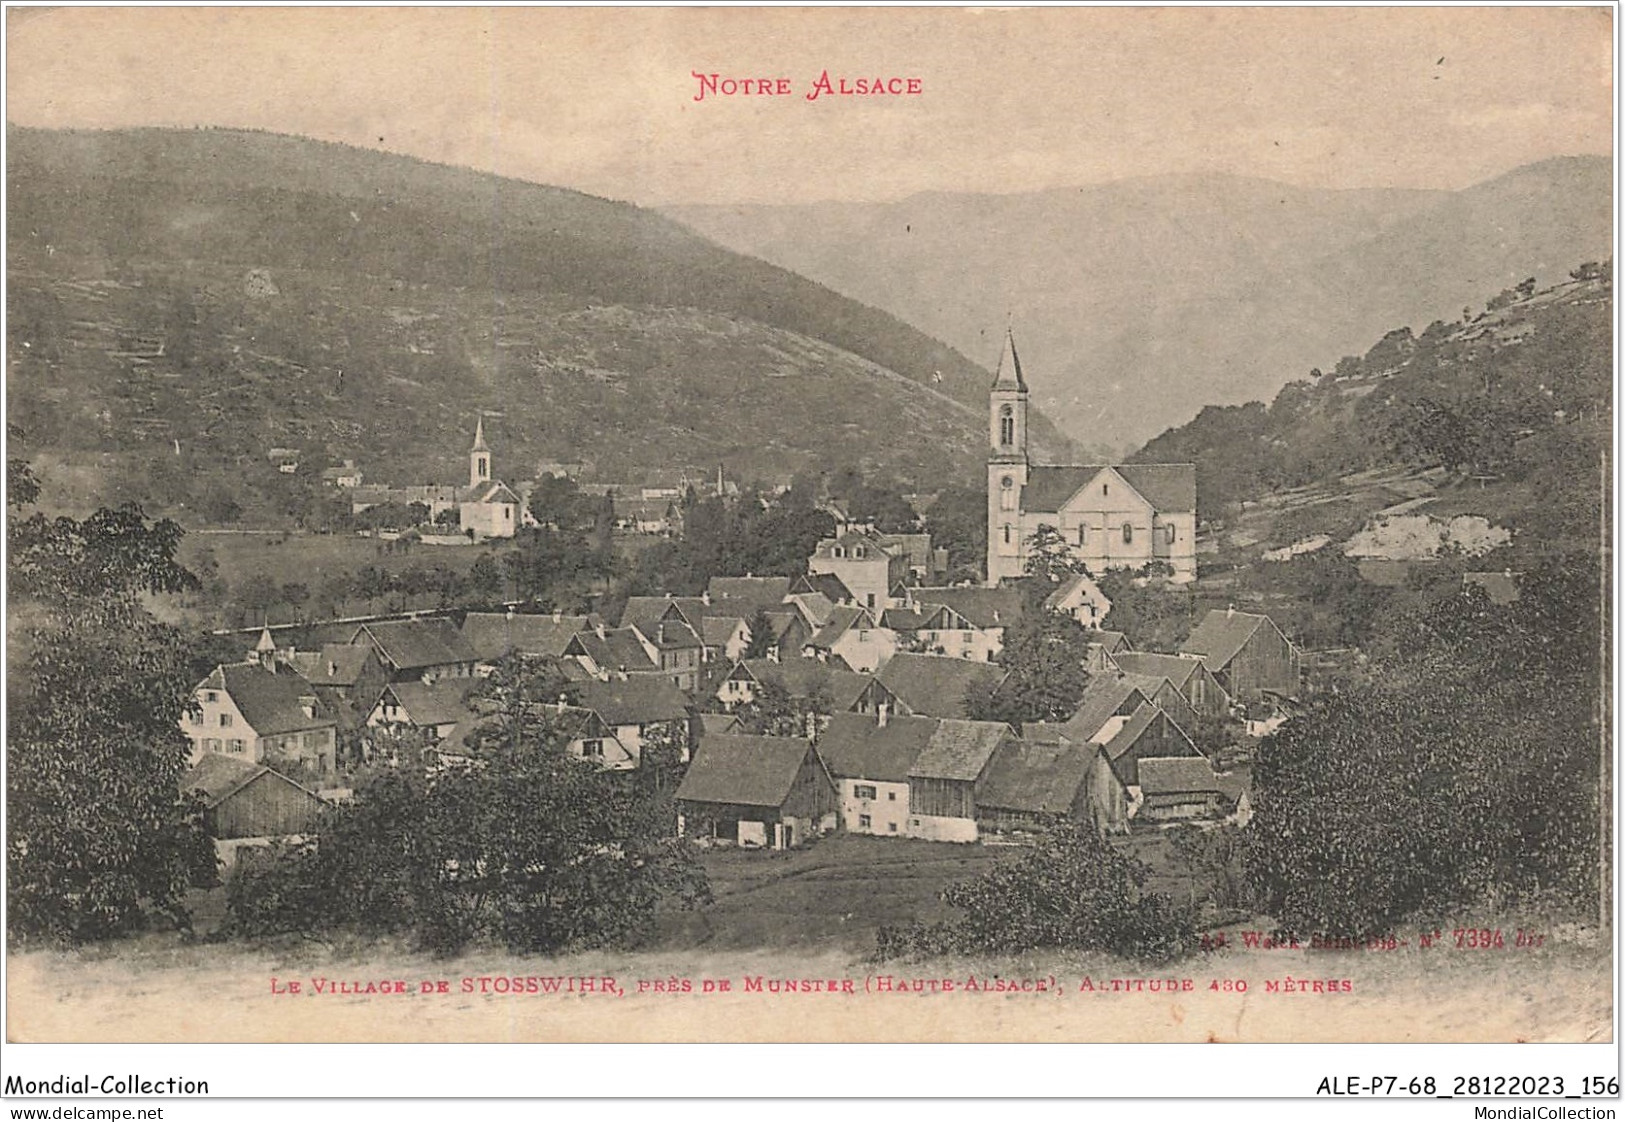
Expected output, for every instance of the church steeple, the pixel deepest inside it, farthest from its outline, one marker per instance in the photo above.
(1008, 376)
(1007, 416)
(479, 456)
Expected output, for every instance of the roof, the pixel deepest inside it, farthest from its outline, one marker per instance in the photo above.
(981, 607)
(855, 746)
(743, 770)
(759, 592)
(781, 622)
(935, 685)
(336, 664)
(1036, 778)
(1008, 376)
(897, 619)
(800, 677)
(494, 635)
(641, 610)
(1112, 641)
(442, 703)
(1167, 487)
(841, 620)
(1130, 731)
(713, 723)
(1177, 775)
(827, 583)
(416, 644)
(1175, 668)
(479, 436)
(619, 648)
(268, 702)
(220, 776)
(959, 750)
(718, 631)
(634, 701)
(489, 492)
(1221, 635)
(671, 635)
(1078, 582)
(1104, 697)
(916, 547)
(814, 606)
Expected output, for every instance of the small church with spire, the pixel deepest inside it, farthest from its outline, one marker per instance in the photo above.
(1123, 516)
(486, 508)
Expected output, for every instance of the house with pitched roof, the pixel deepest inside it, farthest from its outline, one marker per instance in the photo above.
(745, 594)
(436, 707)
(1146, 733)
(425, 650)
(1031, 786)
(1102, 646)
(757, 791)
(628, 712)
(1107, 696)
(1080, 598)
(1178, 788)
(853, 638)
(259, 714)
(1248, 655)
(249, 803)
(605, 652)
(962, 622)
(493, 636)
(1110, 515)
(840, 689)
(935, 685)
(946, 776)
(1199, 690)
(827, 585)
(869, 758)
(347, 679)
(863, 563)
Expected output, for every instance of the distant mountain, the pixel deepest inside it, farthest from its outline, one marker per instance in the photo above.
(184, 301)
(1137, 302)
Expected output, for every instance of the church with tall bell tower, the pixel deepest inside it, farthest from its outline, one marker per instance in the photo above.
(1122, 516)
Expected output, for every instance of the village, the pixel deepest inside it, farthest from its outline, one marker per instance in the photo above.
(869, 663)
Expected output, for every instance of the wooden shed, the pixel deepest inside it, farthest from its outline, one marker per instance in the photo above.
(246, 800)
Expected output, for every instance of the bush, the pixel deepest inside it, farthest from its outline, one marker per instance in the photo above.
(1074, 890)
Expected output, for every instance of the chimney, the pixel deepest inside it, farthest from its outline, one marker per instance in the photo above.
(882, 715)
(812, 727)
(558, 615)
(510, 611)
(561, 704)
(332, 668)
(308, 703)
(598, 629)
(1230, 612)
(705, 597)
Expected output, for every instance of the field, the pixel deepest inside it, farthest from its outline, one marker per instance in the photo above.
(833, 895)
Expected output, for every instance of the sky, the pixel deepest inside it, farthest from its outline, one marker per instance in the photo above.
(603, 99)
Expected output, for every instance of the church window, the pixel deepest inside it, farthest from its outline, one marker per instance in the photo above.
(1081, 532)
(1128, 534)
(1007, 533)
(1170, 535)
(1007, 426)
(1007, 493)
(1105, 488)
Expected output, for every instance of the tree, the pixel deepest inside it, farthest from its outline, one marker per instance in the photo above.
(761, 634)
(958, 523)
(1046, 655)
(100, 840)
(529, 848)
(485, 579)
(1431, 787)
(773, 712)
(1073, 890)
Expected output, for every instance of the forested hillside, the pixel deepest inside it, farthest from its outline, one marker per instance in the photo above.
(233, 292)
